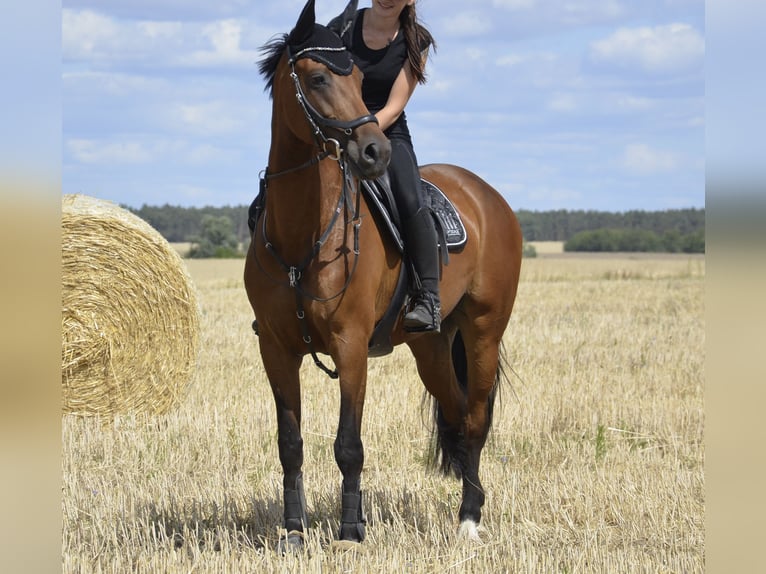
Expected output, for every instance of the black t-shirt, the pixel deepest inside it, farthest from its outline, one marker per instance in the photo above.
(380, 68)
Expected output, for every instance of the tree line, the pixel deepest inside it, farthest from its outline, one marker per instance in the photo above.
(562, 224)
(679, 230)
(185, 224)
(637, 240)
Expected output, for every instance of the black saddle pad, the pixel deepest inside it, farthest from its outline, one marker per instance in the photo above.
(452, 228)
(445, 211)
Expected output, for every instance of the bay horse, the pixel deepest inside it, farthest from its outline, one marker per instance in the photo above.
(319, 275)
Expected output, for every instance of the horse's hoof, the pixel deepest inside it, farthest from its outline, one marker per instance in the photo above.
(291, 543)
(352, 531)
(469, 531)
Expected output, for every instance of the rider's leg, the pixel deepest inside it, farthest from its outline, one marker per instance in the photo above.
(420, 238)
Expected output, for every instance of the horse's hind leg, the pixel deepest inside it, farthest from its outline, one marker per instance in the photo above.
(433, 355)
(445, 380)
(461, 377)
(283, 373)
(481, 356)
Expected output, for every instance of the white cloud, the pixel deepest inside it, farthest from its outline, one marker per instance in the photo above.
(549, 14)
(439, 81)
(644, 160)
(563, 103)
(536, 70)
(160, 29)
(630, 103)
(97, 152)
(225, 37)
(98, 84)
(139, 152)
(209, 118)
(97, 38)
(514, 5)
(662, 49)
(511, 60)
(93, 37)
(206, 154)
(578, 12)
(85, 31)
(466, 25)
(475, 55)
(683, 2)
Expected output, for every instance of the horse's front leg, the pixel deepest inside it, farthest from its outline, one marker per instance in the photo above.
(351, 360)
(282, 370)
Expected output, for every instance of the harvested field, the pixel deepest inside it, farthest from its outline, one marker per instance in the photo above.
(595, 463)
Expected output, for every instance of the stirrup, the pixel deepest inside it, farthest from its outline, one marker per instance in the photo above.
(424, 314)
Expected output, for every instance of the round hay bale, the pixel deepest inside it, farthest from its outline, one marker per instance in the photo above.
(130, 320)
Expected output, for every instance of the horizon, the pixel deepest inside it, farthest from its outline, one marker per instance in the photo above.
(517, 209)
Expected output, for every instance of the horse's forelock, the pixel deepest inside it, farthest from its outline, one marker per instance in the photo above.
(272, 52)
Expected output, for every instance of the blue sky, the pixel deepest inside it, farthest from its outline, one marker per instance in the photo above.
(569, 104)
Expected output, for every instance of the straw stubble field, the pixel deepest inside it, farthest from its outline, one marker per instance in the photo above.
(595, 463)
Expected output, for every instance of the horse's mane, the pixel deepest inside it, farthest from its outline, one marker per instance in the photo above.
(267, 66)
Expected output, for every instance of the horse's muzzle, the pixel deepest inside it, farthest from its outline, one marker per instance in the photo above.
(369, 154)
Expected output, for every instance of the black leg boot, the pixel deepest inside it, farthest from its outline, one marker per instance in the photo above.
(424, 312)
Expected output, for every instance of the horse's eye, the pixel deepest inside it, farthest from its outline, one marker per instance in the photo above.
(318, 80)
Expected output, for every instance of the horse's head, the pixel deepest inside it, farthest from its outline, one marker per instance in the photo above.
(317, 92)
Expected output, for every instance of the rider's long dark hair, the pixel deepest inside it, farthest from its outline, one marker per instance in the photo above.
(419, 41)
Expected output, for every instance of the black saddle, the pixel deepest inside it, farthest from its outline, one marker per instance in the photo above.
(449, 226)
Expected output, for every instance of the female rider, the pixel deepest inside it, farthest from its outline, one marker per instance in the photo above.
(390, 46)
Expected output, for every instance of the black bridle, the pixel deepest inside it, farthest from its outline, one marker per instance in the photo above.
(332, 148)
(315, 118)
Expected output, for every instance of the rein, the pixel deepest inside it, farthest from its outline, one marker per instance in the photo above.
(337, 153)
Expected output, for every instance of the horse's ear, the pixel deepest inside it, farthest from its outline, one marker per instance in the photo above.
(304, 28)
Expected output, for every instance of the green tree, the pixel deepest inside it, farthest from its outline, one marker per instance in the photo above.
(638, 240)
(671, 241)
(217, 239)
(693, 242)
(528, 250)
(596, 240)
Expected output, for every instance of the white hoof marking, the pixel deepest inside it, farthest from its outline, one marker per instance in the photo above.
(469, 530)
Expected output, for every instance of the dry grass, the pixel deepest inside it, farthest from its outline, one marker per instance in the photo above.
(548, 247)
(595, 463)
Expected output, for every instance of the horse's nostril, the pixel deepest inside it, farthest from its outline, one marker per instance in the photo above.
(371, 153)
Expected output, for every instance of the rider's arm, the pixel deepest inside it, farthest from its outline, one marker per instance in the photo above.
(401, 91)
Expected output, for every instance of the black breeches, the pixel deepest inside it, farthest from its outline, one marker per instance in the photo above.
(405, 178)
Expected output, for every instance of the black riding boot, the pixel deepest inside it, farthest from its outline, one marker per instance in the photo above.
(424, 310)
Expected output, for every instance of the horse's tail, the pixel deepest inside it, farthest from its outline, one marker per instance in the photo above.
(447, 447)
